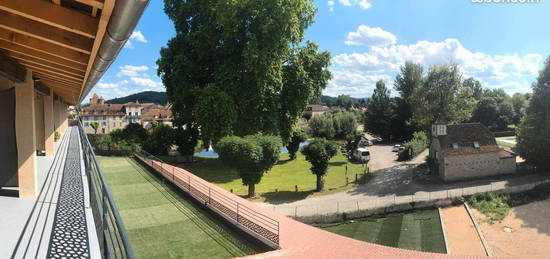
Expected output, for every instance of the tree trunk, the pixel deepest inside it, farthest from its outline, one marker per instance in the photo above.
(320, 183)
(251, 190)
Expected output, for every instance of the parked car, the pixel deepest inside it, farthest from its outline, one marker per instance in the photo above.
(397, 148)
(362, 154)
(376, 140)
(365, 142)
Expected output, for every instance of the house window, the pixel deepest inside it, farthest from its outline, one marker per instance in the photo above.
(103, 130)
(104, 124)
(476, 145)
(86, 124)
(455, 145)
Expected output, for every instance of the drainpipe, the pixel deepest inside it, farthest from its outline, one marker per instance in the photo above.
(122, 23)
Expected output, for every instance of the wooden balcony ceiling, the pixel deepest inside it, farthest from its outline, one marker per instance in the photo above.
(58, 39)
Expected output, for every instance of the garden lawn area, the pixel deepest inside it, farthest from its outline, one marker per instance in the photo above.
(419, 230)
(282, 177)
(163, 222)
(505, 143)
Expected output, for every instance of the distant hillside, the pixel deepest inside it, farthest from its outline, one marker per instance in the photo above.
(142, 97)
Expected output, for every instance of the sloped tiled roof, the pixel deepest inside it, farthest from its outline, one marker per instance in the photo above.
(464, 135)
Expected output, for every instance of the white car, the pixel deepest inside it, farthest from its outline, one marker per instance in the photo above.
(397, 148)
(362, 154)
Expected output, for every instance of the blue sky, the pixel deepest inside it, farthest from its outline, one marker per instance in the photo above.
(501, 44)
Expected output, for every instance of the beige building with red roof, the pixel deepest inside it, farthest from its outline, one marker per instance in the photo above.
(467, 151)
(117, 116)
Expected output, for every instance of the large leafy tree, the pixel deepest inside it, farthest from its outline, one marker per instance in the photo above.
(251, 156)
(234, 67)
(534, 132)
(318, 153)
(406, 82)
(380, 112)
(442, 93)
(519, 104)
(475, 85)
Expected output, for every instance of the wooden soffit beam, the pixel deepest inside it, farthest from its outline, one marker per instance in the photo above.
(14, 49)
(41, 31)
(11, 69)
(43, 46)
(31, 59)
(59, 70)
(53, 15)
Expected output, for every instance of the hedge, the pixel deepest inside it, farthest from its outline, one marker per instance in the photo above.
(413, 147)
(509, 133)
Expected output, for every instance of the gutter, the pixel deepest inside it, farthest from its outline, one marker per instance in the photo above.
(122, 23)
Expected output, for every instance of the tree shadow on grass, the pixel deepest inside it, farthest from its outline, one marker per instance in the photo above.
(336, 163)
(281, 197)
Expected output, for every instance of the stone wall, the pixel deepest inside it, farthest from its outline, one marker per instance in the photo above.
(472, 166)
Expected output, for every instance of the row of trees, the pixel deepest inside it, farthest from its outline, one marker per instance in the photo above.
(252, 156)
(442, 90)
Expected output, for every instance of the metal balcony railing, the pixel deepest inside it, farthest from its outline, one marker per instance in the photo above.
(113, 239)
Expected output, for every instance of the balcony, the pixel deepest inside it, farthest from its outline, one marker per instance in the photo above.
(73, 215)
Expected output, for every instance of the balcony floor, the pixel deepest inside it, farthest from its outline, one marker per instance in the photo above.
(58, 223)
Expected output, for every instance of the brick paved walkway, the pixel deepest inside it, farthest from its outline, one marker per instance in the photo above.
(462, 237)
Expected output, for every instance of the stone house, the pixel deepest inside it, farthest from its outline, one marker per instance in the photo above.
(313, 110)
(111, 117)
(467, 151)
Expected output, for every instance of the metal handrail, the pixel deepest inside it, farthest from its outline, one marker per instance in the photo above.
(240, 211)
(114, 241)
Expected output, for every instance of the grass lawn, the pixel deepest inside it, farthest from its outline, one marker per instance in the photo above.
(419, 230)
(506, 144)
(282, 177)
(161, 221)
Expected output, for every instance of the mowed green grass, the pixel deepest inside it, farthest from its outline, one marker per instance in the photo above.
(279, 183)
(161, 221)
(419, 230)
(506, 144)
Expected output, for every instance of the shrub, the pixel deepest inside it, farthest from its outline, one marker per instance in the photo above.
(107, 146)
(134, 132)
(298, 137)
(508, 133)
(251, 156)
(56, 136)
(494, 206)
(160, 140)
(413, 147)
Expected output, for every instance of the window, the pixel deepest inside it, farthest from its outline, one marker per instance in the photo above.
(455, 145)
(104, 117)
(86, 124)
(104, 124)
(476, 145)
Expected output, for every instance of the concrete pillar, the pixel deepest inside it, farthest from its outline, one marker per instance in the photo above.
(25, 131)
(65, 116)
(39, 122)
(49, 127)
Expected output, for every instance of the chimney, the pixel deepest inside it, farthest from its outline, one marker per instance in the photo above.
(101, 100)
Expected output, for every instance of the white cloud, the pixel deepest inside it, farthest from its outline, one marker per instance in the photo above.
(389, 58)
(130, 70)
(147, 82)
(136, 36)
(330, 4)
(363, 4)
(369, 36)
(513, 72)
(353, 83)
(345, 2)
